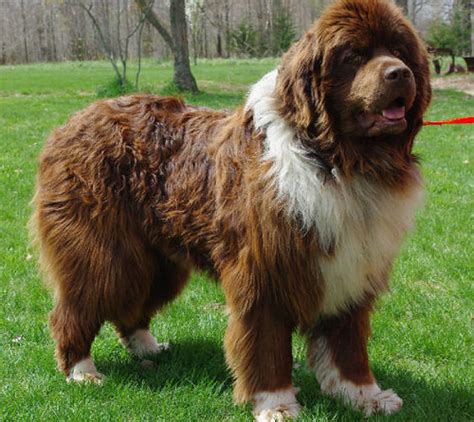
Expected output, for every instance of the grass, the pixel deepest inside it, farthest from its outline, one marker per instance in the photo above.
(422, 343)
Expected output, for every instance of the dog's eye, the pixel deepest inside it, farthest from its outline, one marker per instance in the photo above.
(354, 57)
(397, 52)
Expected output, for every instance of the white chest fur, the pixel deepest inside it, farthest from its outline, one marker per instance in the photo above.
(370, 229)
(363, 221)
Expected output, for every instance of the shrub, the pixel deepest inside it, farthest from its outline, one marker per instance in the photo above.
(244, 40)
(115, 88)
(284, 32)
(452, 34)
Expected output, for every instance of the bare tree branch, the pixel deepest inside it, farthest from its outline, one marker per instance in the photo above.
(156, 22)
(106, 46)
(122, 42)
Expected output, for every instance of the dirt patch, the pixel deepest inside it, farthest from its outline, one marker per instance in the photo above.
(464, 83)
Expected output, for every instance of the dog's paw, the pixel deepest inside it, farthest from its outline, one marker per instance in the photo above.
(369, 399)
(141, 343)
(278, 415)
(386, 402)
(85, 371)
(83, 377)
(276, 406)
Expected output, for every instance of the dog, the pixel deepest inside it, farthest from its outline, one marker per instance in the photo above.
(297, 202)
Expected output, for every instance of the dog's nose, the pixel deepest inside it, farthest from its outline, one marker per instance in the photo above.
(397, 73)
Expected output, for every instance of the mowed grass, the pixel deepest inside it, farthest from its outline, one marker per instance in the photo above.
(422, 342)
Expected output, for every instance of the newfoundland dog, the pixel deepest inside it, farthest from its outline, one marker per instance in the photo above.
(297, 202)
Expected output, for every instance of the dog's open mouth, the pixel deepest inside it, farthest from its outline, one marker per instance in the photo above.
(390, 120)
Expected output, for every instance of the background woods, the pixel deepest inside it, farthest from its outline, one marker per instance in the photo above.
(57, 30)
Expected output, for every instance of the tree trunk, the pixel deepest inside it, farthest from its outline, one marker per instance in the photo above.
(183, 77)
(263, 40)
(227, 27)
(25, 37)
(219, 45)
(52, 35)
(177, 40)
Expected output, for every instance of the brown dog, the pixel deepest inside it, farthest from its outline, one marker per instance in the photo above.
(297, 202)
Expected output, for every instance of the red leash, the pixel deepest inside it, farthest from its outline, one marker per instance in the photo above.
(460, 121)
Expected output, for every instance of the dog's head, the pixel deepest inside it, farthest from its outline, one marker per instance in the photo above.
(360, 74)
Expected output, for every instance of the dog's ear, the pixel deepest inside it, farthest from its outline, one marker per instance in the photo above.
(297, 84)
(419, 65)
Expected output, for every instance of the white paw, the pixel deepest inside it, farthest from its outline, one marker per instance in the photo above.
(369, 399)
(141, 343)
(276, 406)
(386, 402)
(85, 371)
(276, 415)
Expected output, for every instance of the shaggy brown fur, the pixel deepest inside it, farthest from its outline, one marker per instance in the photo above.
(134, 192)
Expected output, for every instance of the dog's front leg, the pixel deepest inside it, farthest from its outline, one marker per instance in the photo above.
(258, 350)
(338, 355)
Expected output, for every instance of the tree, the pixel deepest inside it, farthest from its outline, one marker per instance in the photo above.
(116, 47)
(283, 30)
(243, 40)
(415, 9)
(463, 10)
(177, 39)
(25, 37)
(217, 14)
(454, 34)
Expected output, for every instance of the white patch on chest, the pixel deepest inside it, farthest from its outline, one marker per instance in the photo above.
(363, 221)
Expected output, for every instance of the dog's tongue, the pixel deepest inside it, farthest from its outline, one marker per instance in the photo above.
(394, 113)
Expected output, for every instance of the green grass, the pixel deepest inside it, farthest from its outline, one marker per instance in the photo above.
(423, 339)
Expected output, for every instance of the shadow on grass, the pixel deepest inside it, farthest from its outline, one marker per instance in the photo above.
(195, 362)
(422, 401)
(189, 362)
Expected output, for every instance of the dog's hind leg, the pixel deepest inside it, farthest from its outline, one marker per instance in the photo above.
(338, 355)
(169, 279)
(100, 267)
(73, 258)
(74, 329)
(96, 278)
(258, 350)
(100, 278)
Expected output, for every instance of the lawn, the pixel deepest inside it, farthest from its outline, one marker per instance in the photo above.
(422, 345)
